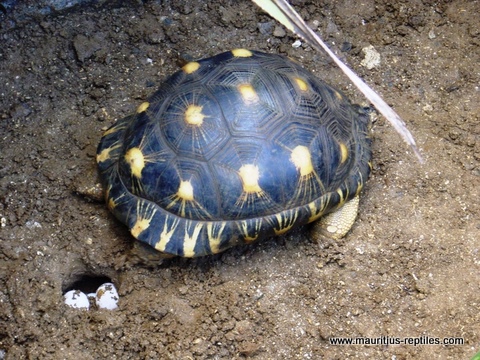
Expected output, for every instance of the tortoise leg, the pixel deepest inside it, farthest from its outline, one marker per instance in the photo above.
(337, 224)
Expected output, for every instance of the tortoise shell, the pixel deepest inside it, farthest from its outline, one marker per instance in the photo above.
(232, 149)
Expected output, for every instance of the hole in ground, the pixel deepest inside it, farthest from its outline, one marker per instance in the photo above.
(87, 283)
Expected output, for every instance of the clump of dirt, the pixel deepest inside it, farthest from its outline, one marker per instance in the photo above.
(409, 268)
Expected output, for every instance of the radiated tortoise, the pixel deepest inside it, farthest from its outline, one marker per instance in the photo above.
(232, 149)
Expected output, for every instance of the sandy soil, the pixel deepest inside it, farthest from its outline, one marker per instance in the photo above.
(410, 266)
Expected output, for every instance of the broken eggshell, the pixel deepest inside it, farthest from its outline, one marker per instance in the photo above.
(107, 297)
(76, 299)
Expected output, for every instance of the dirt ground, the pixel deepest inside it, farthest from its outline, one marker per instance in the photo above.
(410, 267)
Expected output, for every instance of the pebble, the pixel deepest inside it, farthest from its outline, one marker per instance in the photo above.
(77, 299)
(106, 297)
(297, 44)
(265, 28)
(279, 32)
(372, 57)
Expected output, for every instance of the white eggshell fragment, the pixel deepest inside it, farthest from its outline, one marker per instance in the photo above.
(77, 299)
(107, 297)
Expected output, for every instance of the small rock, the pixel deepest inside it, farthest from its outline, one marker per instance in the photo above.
(279, 32)
(372, 57)
(297, 44)
(265, 28)
(32, 224)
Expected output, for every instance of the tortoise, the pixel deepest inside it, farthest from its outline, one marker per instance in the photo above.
(232, 149)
